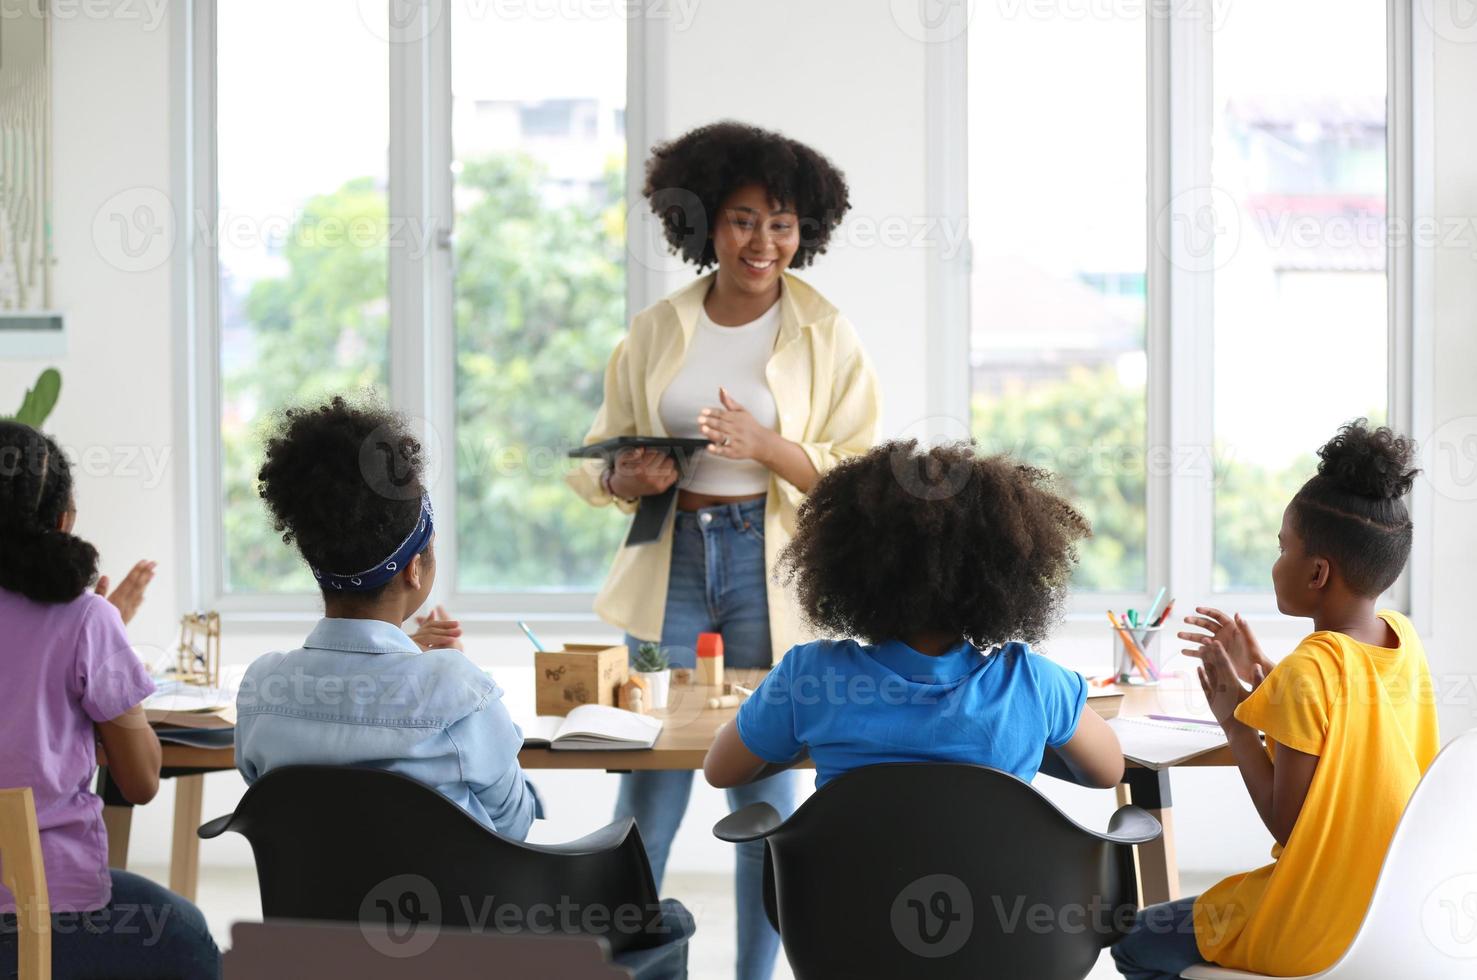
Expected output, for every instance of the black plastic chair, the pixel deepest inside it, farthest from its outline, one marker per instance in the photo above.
(353, 844)
(927, 870)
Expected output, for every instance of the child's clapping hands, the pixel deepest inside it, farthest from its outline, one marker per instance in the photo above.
(437, 630)
(1222, 685)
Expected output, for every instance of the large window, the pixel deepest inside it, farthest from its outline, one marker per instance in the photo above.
(539, 145)
(1178, 282)
(1057, 192)
(1301, 322)
(302, 245)
(401, 187)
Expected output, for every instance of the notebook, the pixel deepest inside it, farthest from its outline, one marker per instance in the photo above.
(1105, 702)
(1161, 744)
(592, 727)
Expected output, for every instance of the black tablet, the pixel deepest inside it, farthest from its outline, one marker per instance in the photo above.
(610, 447)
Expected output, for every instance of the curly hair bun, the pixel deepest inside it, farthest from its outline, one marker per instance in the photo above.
(342, 482)
(1372, 463)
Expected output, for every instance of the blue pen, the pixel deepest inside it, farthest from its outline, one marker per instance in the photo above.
(531, 638)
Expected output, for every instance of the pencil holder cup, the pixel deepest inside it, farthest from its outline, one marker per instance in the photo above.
(1126, 666)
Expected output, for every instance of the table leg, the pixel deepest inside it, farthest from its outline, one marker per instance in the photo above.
(1158, 869)
(117, 820)
(184, 857)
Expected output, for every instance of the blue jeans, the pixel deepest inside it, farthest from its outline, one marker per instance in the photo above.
(1162, 943)
(146, 932)
(716, 586)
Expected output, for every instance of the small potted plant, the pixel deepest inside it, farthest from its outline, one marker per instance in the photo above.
(654, 667)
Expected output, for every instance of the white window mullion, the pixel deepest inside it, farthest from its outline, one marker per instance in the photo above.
(946, 125)
(1161, 390)
(417, 233)
(1185, 257)
(440, 326)
(199, 204)
(1410, 147)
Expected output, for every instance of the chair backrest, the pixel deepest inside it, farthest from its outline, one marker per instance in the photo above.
(356, 844)
(271, 950)
(22, 871)
(1422, 919)
(928, 870)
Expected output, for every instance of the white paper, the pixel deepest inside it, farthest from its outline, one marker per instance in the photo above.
(1161, 744)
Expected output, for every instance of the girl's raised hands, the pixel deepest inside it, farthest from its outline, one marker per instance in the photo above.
(1234, 635)
(1221, 683)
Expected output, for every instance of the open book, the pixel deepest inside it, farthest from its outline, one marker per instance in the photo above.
(592, 726)
(1161, 744)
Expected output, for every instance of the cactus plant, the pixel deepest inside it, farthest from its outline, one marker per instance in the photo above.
(39, 400)
(650, 658)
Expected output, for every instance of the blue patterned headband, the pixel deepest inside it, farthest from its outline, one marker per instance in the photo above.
(373, 578)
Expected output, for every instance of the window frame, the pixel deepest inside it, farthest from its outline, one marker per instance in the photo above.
(422, 372)
(421, 299)
(1179, 335)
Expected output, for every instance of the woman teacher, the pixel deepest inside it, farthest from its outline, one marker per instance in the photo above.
(772, 375)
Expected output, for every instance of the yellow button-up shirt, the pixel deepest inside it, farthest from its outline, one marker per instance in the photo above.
(825, 396)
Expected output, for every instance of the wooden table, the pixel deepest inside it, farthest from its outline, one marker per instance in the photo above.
(688, 731)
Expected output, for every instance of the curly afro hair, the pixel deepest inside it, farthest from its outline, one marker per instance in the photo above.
(343, 483)
(701, 168)
(903, 541)
(1353, 511)
(36, 559)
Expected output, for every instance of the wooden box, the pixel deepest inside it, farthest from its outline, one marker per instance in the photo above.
(581, 673)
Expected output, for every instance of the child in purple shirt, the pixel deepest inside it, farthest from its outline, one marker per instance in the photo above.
(70, 680)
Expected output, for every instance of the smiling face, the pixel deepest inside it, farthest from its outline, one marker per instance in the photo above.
(754, 238)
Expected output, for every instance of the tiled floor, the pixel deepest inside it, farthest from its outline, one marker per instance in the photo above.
(229, 895)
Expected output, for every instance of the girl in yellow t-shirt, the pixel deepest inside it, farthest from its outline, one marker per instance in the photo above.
(1350, 724)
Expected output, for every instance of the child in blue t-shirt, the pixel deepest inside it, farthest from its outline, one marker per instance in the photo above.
(943, 565)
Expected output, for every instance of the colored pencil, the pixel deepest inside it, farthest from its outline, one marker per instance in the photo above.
(1151, 616)
(1164, 616)
(1134, 652)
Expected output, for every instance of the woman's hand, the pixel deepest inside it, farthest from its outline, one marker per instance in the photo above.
(438, 631)
(642, 473)
(733, 432)
(1221, 683)
(129, 594)
(1234, 635)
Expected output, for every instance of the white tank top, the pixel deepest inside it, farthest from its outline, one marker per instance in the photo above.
(735, 358)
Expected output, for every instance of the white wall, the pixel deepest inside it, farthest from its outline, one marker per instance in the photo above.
(837, 73)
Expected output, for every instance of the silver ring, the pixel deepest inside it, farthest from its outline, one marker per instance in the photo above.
(727, 440)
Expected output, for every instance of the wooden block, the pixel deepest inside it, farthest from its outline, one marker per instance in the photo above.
(710, 659)
(581, 673)
(635, 695)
